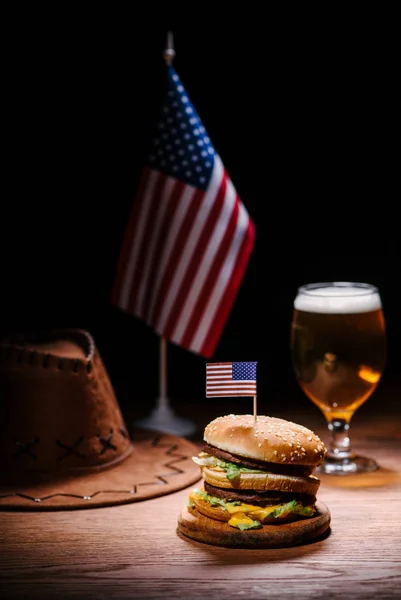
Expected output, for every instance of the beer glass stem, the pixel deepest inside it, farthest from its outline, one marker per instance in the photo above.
(340, 443)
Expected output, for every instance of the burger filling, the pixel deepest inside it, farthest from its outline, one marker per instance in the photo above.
(249, 508)
(250, 516)
(258, 498)
(233, 470)
(234, 464)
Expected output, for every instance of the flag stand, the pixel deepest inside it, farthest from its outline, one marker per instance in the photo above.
(163, 418)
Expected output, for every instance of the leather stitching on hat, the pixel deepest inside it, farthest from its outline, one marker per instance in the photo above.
(71, 449)
(106, 443)
(158, 479)
(26, 449)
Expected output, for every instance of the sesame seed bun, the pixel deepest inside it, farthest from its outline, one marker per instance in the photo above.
(270, 439)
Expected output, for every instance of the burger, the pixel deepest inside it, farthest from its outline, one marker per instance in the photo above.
(257, 472)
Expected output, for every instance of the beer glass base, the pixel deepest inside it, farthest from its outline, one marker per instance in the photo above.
(347, 466)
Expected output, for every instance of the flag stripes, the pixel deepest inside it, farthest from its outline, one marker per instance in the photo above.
(224, 379)
(189, 237)
(189, 249)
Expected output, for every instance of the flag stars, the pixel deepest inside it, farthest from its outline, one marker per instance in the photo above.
(181, 148)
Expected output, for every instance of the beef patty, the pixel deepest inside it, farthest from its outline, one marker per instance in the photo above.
(250, 463)
(258, 498)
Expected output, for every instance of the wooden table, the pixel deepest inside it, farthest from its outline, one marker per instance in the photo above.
(134, 551)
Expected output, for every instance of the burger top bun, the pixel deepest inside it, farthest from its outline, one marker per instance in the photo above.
(270, 439)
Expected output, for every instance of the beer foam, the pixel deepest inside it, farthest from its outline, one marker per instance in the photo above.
(340, 299)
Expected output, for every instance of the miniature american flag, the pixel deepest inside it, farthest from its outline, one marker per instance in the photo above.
(231, 379)
(189, 237)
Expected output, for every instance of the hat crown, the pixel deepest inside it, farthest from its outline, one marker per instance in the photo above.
(58, 409)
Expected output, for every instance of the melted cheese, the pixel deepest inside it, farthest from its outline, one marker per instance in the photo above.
(240, 518)
(249, 508)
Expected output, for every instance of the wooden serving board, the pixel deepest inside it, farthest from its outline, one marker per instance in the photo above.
(196, 526)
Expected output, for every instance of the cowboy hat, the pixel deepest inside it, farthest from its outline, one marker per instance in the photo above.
(63, 440)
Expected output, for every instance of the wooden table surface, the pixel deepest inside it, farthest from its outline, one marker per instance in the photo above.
(134, 550)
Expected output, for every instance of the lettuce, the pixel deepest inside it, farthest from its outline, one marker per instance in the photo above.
(245, 526)
(233, 470)
(213, 500)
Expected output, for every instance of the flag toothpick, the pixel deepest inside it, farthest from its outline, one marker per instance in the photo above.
(232, 379)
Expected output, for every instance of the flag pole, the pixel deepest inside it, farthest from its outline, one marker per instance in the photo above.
(169, 52)
(163, 371)
(254, 408)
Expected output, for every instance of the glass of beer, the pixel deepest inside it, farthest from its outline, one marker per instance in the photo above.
(338, 349)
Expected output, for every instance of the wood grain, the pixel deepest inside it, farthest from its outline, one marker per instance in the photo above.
(134, 551)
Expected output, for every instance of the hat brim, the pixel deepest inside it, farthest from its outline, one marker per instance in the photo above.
(158, 465)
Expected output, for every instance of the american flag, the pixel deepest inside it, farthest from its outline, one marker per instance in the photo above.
(231, 379)
(189, 237)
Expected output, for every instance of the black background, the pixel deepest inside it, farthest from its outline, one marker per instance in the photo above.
(303, 109)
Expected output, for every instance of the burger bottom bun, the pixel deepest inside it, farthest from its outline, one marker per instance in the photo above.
(219, 514)
(213, 512)
(196, 526)
(262, 482)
